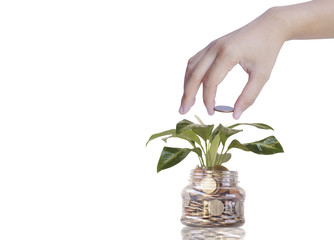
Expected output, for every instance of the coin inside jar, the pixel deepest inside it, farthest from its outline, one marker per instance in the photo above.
(216, 207)
(224, 109)
(239, 209)
(197, 175)
(208, 185)
(186, 199)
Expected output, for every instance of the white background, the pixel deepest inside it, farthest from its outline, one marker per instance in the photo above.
(83, 84)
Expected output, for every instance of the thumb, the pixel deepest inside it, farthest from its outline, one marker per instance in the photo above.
(250, 92)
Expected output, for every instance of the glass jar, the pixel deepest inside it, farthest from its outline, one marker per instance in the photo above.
(213, 199)
(221, 233)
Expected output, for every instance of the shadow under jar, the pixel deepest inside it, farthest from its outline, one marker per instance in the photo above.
(213, 199)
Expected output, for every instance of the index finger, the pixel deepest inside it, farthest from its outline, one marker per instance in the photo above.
(193, 80)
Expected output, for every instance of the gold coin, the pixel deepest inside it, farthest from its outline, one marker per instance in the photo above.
(208, 185)
(224, 109)
(218, 169)
(216, 207)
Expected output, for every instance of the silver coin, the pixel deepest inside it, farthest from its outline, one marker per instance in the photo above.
(216, 207)
(239, 209)
(225, 109)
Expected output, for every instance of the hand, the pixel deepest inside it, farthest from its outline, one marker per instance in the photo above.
(255, 47)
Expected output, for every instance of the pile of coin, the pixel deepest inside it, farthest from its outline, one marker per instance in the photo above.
(211, 201)
(192, 233)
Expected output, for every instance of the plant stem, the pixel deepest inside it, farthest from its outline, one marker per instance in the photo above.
(199, 120)
(221, 161)
(200, 158)
(201, 161)
(221, 153)
(206, 154)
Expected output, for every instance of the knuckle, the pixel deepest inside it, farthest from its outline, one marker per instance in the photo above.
(229, 52)
(191, 61)
(189, 98)
(208, 102)
(207, 84)
(194, 76)
(225, 48)
(212, 44)
(189, 70)
(190, 66)
(209, 81)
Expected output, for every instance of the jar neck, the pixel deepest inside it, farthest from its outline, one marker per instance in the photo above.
(224, 178)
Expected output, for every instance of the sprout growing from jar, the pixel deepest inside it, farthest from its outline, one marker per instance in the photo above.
(205, 141)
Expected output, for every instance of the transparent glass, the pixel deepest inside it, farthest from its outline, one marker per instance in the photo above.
(213, 199)
(221, 233)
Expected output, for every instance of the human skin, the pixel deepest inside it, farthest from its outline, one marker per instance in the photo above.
(255, 48)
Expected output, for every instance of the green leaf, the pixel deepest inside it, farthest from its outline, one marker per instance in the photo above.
(185, 134)
(224, 132)
(161, 134)
(236, 144)
(171, 156)
(220, 159)
(269, 145)
(182, 125)
(204, 131)
(198, 151)
(214, 133)
(166, 138)
(258, 125)
(189, 136)
(212, 153)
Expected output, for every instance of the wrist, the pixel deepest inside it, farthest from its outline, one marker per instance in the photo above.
(309, 20)
(279, 23)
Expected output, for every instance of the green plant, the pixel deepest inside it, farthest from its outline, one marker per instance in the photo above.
(206, 140)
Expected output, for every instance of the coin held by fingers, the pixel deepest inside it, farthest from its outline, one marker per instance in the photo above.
(223, 109)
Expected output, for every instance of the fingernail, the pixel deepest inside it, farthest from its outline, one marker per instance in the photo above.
(181, 110)
(237, 113)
